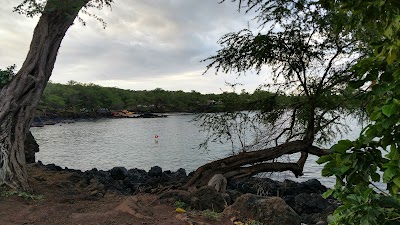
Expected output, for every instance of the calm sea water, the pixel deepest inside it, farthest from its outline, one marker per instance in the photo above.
(131, 143)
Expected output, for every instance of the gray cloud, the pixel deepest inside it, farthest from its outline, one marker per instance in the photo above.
(147, 44)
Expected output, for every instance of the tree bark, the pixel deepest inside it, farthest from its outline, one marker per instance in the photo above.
(250, 163)
(20, 97)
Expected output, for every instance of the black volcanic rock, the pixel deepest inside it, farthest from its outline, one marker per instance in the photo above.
(119, 173)
(155, 171)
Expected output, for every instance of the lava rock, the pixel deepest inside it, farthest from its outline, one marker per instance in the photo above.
(155, 171)
(207, 198)
(309, 203)
(119, 173)
(267, 210)
(53, 167)
(312, 186)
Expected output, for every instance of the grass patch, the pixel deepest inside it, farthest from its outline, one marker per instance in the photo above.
(253, 222)
(180, 204)
(4, 192)
(211, 215)
(248, 222)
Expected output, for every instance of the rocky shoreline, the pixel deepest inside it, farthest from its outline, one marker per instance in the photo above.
(303, 198)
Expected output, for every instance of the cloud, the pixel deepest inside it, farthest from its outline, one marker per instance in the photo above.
(147, 44)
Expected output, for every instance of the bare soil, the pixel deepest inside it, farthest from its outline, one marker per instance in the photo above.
(65, 202)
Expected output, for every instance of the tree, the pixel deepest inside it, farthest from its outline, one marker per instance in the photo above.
(19, 98)
(309, 62)
(377, 24)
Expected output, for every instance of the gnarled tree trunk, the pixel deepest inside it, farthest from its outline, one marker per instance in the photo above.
(20, 97)
(250, 163)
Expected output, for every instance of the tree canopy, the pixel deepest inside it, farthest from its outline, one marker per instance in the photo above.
(351, 47)
(309, 62)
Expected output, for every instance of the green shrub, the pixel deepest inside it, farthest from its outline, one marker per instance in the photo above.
(180, 204)
(211, 215)
(25, 195)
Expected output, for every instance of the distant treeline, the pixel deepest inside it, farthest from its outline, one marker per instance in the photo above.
(77, 97)
(74, 97)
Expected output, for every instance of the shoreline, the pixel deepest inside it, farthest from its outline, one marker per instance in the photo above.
(180, 176)
(40, 120)
(135, 196)
(303, 197)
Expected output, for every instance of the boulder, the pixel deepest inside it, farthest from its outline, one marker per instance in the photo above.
(267, 210)
(254, 185)
(233, 195)
(312, 186)
(172, 196)
(53, 167)
(138, 174)
(310, 203)
(313, 219)
(31, 147)
(179, 175)
(119, 173)
(155, 171)
(268, 187)
(289, 187)
(207, 198)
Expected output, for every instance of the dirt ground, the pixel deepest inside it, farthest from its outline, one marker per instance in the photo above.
(63, 202)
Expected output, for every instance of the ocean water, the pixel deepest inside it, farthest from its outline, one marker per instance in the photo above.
(171, 143)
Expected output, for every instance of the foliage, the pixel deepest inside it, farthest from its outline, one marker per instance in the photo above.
(253, 222)
(32, 8)
(248, 222)
(6, 75)
(4, 192)
(356, 44)
(211, 214)
(309, 65)
(76, 96)
(375, 155)
(180, 204)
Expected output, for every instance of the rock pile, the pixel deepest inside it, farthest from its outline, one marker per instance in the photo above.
(125, 182)
(258, 198)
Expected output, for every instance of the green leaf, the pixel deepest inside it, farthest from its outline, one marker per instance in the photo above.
(327, 193)
(396, 180)
(393, 154)
(389, 32)
(367, 193)
(342, 146)
(375, 115)
(394, 189)
(389, 122)
(389, 202)
(371, 132)
(396, 101)
(345, 169)
(389, 174)
(389, 110)
(392, 55)
(324, 159)
(396, 74)
(329, 169)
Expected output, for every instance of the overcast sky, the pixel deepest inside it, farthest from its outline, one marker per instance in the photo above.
(146, 45)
